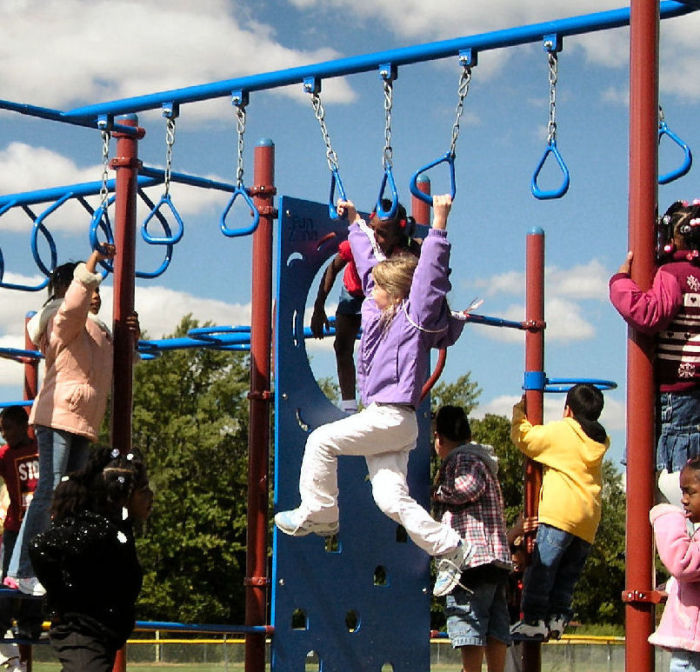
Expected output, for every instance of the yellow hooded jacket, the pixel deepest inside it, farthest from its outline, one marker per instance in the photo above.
(572, 472)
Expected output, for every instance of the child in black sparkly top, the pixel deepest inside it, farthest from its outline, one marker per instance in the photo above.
(87, 559)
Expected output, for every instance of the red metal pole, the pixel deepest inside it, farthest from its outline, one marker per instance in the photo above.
(259, 404)
(126, 164)
(31, 387)
(420, 209)
(644, 68)
(534, 368)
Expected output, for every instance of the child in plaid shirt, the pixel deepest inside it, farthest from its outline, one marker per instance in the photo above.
(467, 496)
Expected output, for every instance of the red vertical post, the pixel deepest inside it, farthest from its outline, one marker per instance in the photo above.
(126, 164)
(535, 378)
(420, 210)
(644, 68)
(259, 404)
(31, 387)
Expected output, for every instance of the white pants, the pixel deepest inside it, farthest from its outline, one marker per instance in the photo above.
(384, 434)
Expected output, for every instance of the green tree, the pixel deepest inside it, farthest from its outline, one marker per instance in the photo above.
(191, 422)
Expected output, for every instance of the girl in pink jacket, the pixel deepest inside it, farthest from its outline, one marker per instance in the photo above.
(68, 410)
(679, 630)
(670, 309)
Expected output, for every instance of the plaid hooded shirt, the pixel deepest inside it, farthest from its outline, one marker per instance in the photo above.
(467, 496)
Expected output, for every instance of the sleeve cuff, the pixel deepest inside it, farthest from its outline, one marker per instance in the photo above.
(440, 233)
(81, 274)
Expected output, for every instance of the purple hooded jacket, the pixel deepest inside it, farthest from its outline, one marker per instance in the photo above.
(393, 363)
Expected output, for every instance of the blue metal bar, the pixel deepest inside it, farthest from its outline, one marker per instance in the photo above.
(148, 177)
(495, 321)
(19, 354)
(197, 627)
(6, 404)
(58, 115)
(369, 62)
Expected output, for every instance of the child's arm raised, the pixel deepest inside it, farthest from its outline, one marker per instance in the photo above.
(431, 279)
(71, 316)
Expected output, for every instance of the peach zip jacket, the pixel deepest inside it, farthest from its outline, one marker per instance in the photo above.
(78, 361)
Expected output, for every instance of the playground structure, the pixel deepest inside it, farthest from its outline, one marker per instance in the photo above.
(292, 417)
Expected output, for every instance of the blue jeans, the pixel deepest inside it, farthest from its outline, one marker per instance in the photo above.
(684, 661)
(550, 578)
(474, 616)
(679, 439)
(59, 453)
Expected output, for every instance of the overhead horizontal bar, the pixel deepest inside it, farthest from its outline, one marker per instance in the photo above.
(365, 63)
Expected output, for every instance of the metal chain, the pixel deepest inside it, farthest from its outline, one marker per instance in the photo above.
(320, 115)
(462, 91)
(240, 129)
(552, 125)
(169, 142)
(104, 190)
(388, 101)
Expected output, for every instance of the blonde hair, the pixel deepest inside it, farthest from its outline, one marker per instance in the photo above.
(395, 276)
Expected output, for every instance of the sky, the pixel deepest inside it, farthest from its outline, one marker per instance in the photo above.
(122, 48)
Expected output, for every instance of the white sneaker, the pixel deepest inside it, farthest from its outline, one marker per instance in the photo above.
(31, 586)
(533, 631)
(16, 666)
(449, 568)
(556, 625)
(293, 523)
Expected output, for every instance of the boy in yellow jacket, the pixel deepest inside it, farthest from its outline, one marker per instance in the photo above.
(571, 452)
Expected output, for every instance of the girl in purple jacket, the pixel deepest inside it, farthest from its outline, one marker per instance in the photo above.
(404, 315)
(670, 309)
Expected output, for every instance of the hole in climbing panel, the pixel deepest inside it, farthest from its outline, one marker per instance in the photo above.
(304, 426)
(387, 667)
(313, 662)
(299, 620)
(401, 536)
(352, 621)
(294, 256)
(380, 576)
(332, 544)
(294, 329)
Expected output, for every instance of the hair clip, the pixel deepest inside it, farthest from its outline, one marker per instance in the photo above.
(65, 478)
(402, 223)
(115, 453)
(693, 254)
(130, 456)
(121, 479)
(685, 204)
(696, 201)
(695, 221)
(669, 248)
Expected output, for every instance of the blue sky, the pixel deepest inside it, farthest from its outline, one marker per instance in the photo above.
(117, 49)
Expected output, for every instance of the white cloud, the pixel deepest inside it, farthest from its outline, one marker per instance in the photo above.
(583, 281)
(120, 48)
(25, 167)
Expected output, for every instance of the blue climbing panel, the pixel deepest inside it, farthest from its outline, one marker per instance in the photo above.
(361, 604)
